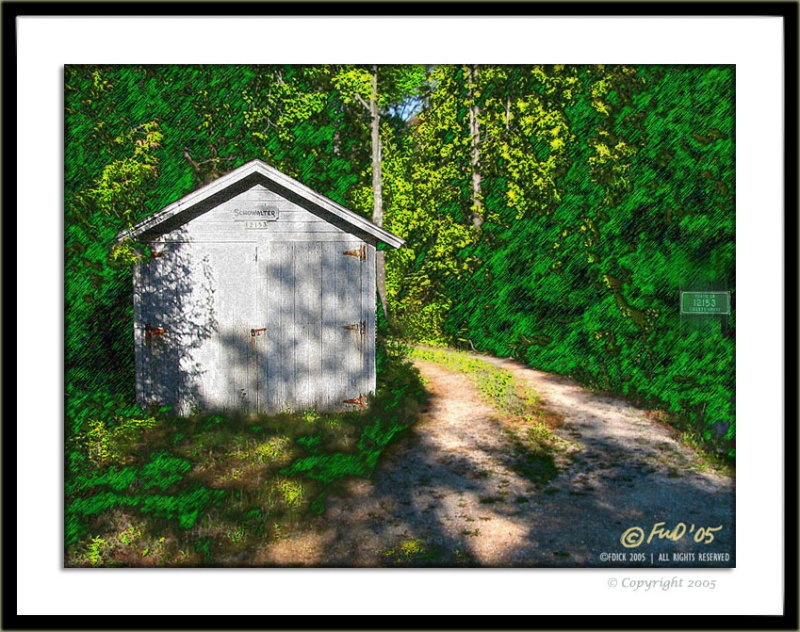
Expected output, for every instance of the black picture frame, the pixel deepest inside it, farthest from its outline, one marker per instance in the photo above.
(11, 260)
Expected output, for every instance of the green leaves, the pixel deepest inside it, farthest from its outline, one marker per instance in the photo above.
(588, 240)
(354, 84)
(141, 488)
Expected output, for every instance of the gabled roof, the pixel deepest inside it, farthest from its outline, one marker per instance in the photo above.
(256, 170)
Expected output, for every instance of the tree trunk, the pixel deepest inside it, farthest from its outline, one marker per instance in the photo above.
(337, 142)
(377, 189)
(475, 140)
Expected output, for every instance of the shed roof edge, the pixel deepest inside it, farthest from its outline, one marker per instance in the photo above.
(270, 173)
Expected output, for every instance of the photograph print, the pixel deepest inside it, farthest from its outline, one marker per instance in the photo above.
(425, 316)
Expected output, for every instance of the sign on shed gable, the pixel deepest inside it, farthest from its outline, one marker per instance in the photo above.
(260, 214)
(259, 296)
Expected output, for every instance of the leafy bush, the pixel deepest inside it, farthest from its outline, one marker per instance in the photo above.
(91, 494)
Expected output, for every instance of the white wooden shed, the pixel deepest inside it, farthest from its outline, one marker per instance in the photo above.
(259, 296)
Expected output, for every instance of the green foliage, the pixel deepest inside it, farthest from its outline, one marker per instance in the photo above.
(95, 551)
(103, 444)
(327, 468)
(92, 493)
(495, 384)
(396, 405)
(588, 240)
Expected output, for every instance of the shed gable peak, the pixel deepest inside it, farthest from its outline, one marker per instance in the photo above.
(254, 172)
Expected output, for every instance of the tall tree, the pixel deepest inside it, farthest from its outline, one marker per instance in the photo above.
(379, 90)
(360, 85)
(377, 186)
(436, 217)
(475, 144)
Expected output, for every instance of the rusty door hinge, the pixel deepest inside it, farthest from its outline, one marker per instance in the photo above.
(255, 332)
(150, 331)
(360, 327)
(358, 401)
(361, 253)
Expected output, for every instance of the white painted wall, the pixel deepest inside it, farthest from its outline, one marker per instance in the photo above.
(255, 298)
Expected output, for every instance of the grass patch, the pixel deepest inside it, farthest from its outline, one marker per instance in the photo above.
(210, 490)
(490, 500)
(706, 460)
(410, 552)
(496, 385)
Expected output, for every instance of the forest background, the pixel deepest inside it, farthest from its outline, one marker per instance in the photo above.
(551, 213)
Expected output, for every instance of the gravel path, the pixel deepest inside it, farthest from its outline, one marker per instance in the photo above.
(462, 490)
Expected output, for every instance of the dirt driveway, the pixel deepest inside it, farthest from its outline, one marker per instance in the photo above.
(458, 490)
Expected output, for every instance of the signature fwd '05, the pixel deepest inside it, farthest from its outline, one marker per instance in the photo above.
(635, 536)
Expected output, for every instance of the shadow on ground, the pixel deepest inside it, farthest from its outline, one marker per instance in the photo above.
(464, 489)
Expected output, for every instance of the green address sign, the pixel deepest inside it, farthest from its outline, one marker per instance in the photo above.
(705, 302)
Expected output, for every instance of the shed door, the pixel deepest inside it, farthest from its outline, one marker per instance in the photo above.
(344, 328)
(311, 352)
(225, 354)
(196, 310)
(158, 302)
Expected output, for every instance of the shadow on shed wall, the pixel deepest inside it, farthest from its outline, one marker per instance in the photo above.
(215, 332)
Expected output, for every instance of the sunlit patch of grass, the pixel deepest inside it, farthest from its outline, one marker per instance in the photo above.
(704, 460)
(495, 384)
(409, 553)
(528, 426)
(275, 450)
(291, 491)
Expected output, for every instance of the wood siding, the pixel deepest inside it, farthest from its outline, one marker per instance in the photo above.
(258, 319)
